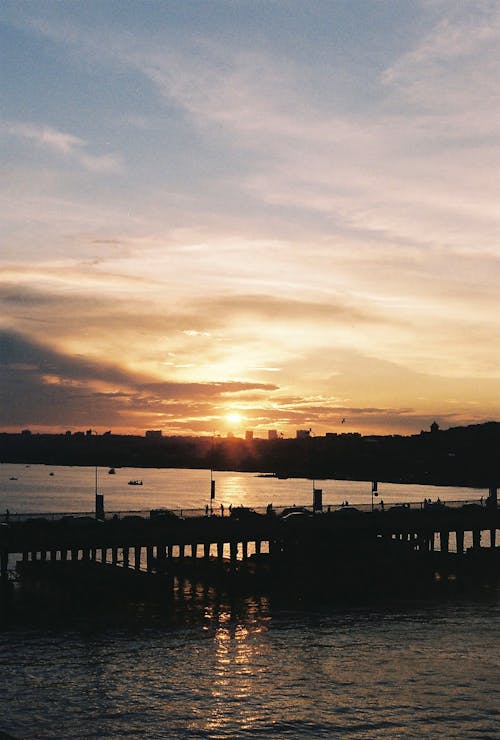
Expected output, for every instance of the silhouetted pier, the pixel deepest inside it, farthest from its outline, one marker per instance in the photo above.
(332, 549)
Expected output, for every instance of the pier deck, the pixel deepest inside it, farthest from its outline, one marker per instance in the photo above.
(336, 547)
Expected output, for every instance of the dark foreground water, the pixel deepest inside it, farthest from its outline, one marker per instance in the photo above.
(207, 667)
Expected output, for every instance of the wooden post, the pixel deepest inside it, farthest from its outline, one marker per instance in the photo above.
(476, 538)
(126, 557)
(4, 560)
(114, 555)
(244, 550)
(493, 538)
(206, 550)
(137, 557)
(258, 544)
(220, 551)
(460, 541)
(149, 558)
(194, 550)
(233, 552)
(444, 539)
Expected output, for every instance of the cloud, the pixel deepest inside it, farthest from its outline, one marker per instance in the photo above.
(43, 386)
(63, 144)
(295, 225)
(390, 171)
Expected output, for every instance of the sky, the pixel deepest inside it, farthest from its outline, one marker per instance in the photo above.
(230, 215)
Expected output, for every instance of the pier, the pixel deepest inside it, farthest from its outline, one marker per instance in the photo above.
(329, 550)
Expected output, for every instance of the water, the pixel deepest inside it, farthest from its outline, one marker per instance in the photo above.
(71, 489)
(214, 667)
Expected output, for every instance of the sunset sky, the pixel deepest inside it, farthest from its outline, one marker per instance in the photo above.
(280, 209)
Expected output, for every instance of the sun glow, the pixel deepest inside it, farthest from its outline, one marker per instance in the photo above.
(234, 418)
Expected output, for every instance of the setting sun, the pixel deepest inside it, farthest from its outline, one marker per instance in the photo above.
(234, 418)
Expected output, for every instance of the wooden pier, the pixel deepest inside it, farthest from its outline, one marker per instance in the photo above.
(327, 550)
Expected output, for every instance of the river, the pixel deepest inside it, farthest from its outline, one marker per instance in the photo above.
(215, 667)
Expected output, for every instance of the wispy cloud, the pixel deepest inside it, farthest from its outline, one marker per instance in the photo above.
(64, 144)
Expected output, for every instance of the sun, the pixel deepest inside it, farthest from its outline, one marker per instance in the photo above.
(234, 418)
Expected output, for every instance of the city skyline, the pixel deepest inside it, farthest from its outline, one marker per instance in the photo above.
(226, 216)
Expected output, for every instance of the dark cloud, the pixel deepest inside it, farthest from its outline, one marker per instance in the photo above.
(270, 307)
(203, 315)
(40, 386)
(15, 296)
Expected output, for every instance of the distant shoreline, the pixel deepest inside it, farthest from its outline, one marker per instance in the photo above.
(460, 456)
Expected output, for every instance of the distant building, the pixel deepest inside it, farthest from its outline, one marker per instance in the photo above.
(249, 436)
(302, 433)
(26, 432)
(154, 434)
(434, 426)
(272, 434)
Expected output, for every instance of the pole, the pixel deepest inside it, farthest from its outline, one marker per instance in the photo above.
(212, 490)
(212, 482)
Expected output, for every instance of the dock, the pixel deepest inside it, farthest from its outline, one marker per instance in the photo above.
(327, 551)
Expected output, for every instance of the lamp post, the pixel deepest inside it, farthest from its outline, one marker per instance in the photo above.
(99, 497)
(374, 490)
(212, 481)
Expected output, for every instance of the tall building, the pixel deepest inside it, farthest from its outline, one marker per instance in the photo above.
(153, 434)
(248, 436)
(272, 434)
(302, 433)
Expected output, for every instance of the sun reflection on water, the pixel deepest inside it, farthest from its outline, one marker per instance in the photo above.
(239, 659)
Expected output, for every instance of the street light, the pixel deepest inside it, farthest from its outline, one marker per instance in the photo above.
(212, 481)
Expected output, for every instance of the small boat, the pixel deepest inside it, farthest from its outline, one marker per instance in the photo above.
(51, 473)
(135, 483)
(111, 471)
(12, 477)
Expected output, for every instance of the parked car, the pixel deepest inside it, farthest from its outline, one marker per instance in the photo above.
(295, 510)
(162, 514)
(347, 511)
(244, 513)
(296, 515)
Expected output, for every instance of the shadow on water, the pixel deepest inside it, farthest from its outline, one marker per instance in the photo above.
(193, 604)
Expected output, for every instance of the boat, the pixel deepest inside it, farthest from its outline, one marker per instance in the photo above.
(111, 471)
(12, 477)
(135, 483)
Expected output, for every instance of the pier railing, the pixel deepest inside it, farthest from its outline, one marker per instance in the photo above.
(78, 517)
